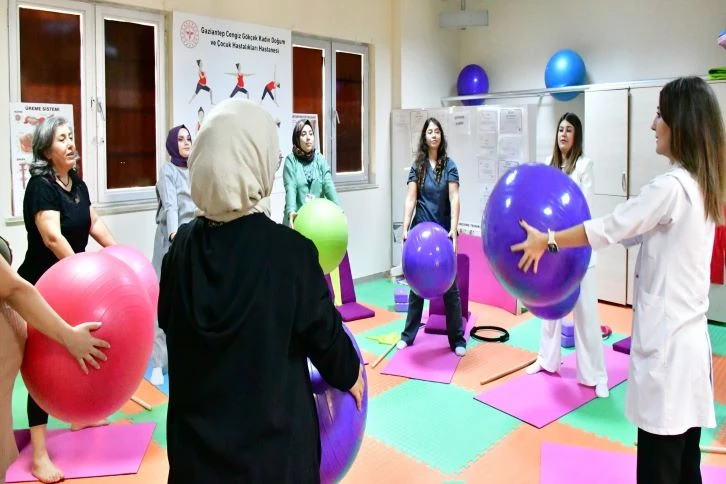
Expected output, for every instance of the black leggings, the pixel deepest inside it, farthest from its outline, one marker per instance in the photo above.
(36, 415)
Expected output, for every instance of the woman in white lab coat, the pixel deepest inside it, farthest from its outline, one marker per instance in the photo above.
(567, 156)
(670, 385)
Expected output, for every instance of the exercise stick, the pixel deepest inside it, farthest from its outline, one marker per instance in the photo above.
(141, 402)
(380, 358)
(507, 372)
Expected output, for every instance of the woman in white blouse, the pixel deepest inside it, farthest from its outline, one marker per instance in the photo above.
(670, 381)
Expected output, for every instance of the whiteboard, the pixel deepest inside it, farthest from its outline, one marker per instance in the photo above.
(483, 141)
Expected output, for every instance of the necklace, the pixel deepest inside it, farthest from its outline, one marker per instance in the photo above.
(65, 184)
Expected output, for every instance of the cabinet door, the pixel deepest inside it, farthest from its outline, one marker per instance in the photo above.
(612, 262)
(606, 139)
(645, 163)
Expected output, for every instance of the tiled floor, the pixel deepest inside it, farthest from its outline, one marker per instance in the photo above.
(428, 432)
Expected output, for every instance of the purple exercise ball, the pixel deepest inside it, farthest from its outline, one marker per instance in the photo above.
(429, 261)
(545, 198)
(472, 79)
(557, 310)
(341, 424)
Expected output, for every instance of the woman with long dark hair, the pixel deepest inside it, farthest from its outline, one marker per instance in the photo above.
(433, 191)
(673, 219)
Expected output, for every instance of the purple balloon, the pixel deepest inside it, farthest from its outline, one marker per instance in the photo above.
(429, 261)
(341, 424)
(557, 310)
(472, 79)
(545, 198)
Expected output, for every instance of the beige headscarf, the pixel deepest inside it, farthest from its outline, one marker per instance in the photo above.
(233, 161)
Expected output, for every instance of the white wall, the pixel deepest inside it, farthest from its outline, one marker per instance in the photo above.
(415, 63)
(620, 40)
(429, 55)
(368, 210)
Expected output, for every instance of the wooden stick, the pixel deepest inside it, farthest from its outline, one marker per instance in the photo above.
(707, 449)
(380, 358)
(141, 403)
(507, 372)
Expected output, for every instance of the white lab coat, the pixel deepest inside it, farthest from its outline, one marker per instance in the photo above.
(589, 350)
(670, 387)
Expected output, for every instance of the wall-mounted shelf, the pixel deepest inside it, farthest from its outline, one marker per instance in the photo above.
(541, 92)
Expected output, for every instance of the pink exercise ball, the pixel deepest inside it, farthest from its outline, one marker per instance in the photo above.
(135, 259)
(90, 286)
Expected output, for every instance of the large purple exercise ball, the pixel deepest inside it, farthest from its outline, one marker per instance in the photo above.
(557, 310)
(341, 424)
(429, 261)
(545, 198)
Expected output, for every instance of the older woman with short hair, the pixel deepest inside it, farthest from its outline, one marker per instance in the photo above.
(59, 219)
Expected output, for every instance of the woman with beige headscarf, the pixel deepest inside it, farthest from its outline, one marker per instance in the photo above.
(244, 304)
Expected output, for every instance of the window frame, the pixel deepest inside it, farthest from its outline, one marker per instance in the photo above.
(329, 48)
(104, 12)
(93, 88)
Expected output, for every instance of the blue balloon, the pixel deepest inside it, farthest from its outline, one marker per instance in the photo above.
(545, 198)
(472, 80)
(565, 68)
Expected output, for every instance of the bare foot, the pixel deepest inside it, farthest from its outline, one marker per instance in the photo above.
(44, 470)
(100, 423)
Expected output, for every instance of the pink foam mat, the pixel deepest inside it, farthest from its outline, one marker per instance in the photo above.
(94, 452)
(550, 396)
(429, 359)
(565, 464)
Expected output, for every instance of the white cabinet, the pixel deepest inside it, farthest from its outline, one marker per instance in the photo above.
(611, 261)
(606, 139)
(606, 143)
(645, 163)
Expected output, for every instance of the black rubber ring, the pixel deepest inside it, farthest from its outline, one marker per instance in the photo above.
(499, 339)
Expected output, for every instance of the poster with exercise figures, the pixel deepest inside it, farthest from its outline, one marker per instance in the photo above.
(214, 59)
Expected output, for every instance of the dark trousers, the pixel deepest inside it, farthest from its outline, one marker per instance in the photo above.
(452, 307)
(669, 459)
(36, 415)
